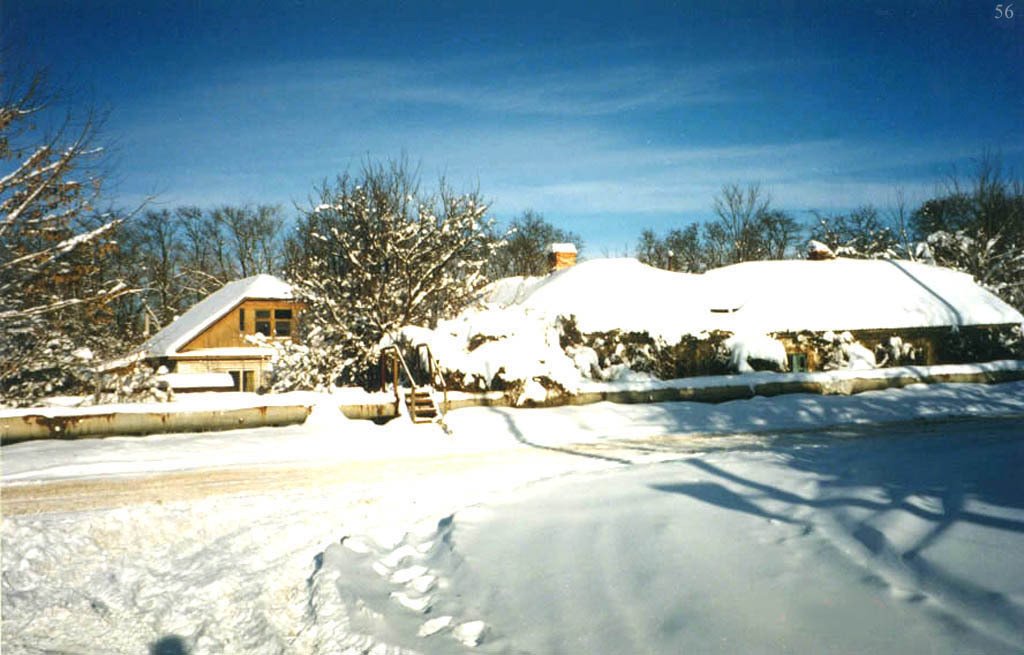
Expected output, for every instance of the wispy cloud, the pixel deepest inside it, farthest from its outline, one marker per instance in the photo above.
(482, 85)
(577, 171)
(531, 137)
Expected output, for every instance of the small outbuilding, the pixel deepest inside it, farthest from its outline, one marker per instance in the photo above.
(213, 343)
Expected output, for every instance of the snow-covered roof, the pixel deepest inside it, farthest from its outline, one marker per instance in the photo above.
(763, 296)
(610, 294)
(206, 312)
(847, 294)
(227, 352)
(561, 247)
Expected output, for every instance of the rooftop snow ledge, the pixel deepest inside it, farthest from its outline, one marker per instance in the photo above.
(561, 247)
(923, 373)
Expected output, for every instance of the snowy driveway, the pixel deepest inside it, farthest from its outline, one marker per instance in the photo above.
(902, 539)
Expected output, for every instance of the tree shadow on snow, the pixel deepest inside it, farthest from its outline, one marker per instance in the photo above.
(918, 475)
(969, 476)
(521, 438)
(721, 496)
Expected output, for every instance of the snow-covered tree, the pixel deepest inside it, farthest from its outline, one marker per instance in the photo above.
(55, 284)
(861, 233)
(373, 254)
(978, 227)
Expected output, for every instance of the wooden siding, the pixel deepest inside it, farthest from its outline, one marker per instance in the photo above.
(225, 333)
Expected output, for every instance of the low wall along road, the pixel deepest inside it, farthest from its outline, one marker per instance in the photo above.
(47, 423)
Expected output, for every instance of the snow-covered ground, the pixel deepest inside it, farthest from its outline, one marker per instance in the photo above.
(907, 541)
(813, 524)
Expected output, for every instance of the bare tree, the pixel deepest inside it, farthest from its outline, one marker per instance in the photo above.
(254, 236)
(747, 227)
(736, 229)
(526, 243)
(679, 250)
(900, 217)
(777, 233)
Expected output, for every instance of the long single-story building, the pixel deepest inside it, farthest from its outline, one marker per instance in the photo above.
(872, 299)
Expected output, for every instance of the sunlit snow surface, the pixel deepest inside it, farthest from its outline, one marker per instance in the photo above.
(894, 541)
(512, 536)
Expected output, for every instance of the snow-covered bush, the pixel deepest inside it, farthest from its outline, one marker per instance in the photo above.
(995, 264)
(519, 350)
(748, 353)
(297, 366)
(141, 384)
(497, 349)
(860, 234)
(977, 226)
(894, 351)
(837, 351)
(58, 367)
(620, 353)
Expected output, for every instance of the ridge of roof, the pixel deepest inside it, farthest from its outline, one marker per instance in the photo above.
(207, 311)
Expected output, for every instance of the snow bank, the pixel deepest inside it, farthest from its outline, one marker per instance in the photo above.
(207, 401)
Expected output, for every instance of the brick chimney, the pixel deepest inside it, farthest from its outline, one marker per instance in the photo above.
(560, 256)
(818, 251)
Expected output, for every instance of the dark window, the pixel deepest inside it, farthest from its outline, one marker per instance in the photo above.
(236, 378)
(797, 362)
(263, 322)
(241, 320)
(282, 322)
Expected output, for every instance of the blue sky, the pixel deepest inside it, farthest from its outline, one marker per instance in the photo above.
(605, 117)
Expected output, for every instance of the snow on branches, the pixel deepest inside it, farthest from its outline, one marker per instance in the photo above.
(52, 245)
(977, 226)
(374, 254)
